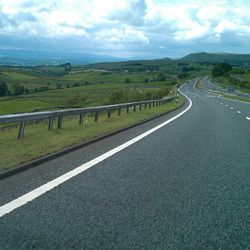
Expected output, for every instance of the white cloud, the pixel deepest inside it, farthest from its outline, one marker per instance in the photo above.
(125, 36)
(192, 31)
(225, 25)
(125, 24)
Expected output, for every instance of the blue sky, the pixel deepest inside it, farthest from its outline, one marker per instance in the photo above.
(126, 28)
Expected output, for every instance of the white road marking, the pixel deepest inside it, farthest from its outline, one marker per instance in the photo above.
(24, 199)
(248, 118)
(238, 112)
(231, 108)
(226, 105)
(221, 103)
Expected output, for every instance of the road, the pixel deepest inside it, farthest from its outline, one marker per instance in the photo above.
(185, 185)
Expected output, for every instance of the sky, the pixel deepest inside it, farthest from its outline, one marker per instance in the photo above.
(126, 28)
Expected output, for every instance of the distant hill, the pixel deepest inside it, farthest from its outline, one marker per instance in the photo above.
(103, 62)
(203, 57)
(34, 58)
(136, 65)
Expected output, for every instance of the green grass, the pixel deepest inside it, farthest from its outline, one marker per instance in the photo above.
(22, 105)
(19, 76)
(95, 89)
(38, 141)
(91, 95)
(236, 98)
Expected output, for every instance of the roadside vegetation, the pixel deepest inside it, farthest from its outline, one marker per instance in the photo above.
(38, 141)
(232, 77)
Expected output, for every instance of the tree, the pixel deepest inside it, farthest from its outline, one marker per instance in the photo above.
(58, 85)
(221, 69)
(18, 89)
(3, 89)
(73, 101)
(26, 91)
(162, 77)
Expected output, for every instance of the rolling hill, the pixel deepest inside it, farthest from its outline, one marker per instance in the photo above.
(203, 57)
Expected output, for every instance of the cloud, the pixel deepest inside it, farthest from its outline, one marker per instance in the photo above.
(133, 14)
(138, 27)
(124, 36)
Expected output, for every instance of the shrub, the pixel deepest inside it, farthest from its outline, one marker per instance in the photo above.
(3, 89)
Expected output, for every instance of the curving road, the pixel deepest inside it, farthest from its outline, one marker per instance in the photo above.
(184, 185)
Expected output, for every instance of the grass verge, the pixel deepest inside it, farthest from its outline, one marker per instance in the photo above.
(238, 98)
(38, 141)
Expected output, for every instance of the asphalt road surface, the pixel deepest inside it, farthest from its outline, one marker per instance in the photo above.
(185, 185)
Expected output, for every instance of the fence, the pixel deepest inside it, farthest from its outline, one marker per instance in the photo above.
(59, 114)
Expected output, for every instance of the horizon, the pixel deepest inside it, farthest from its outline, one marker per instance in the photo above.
(92, 59)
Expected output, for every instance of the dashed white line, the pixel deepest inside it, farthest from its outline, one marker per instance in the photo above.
(231, 108)
(226, 105)
(28, 197)
(238, 112)
(248, 118)
(221, 103)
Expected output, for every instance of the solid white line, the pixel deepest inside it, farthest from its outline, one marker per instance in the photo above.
(24, 199)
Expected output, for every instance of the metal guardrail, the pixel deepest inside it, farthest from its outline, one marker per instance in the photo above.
(59, 114)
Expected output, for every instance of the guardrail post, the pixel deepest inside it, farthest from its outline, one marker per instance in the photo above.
(96, 116)
(21, 130)
(127, 109)
(145, 106)
(149, 106)
(59, 123)
(109, 113)
(140, 106)
(51, 120)
(81, 118)
(134, 108)
(153, 104)
(119, 111)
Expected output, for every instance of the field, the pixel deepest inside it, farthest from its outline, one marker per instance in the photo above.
(58, 87)
(90, 88)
